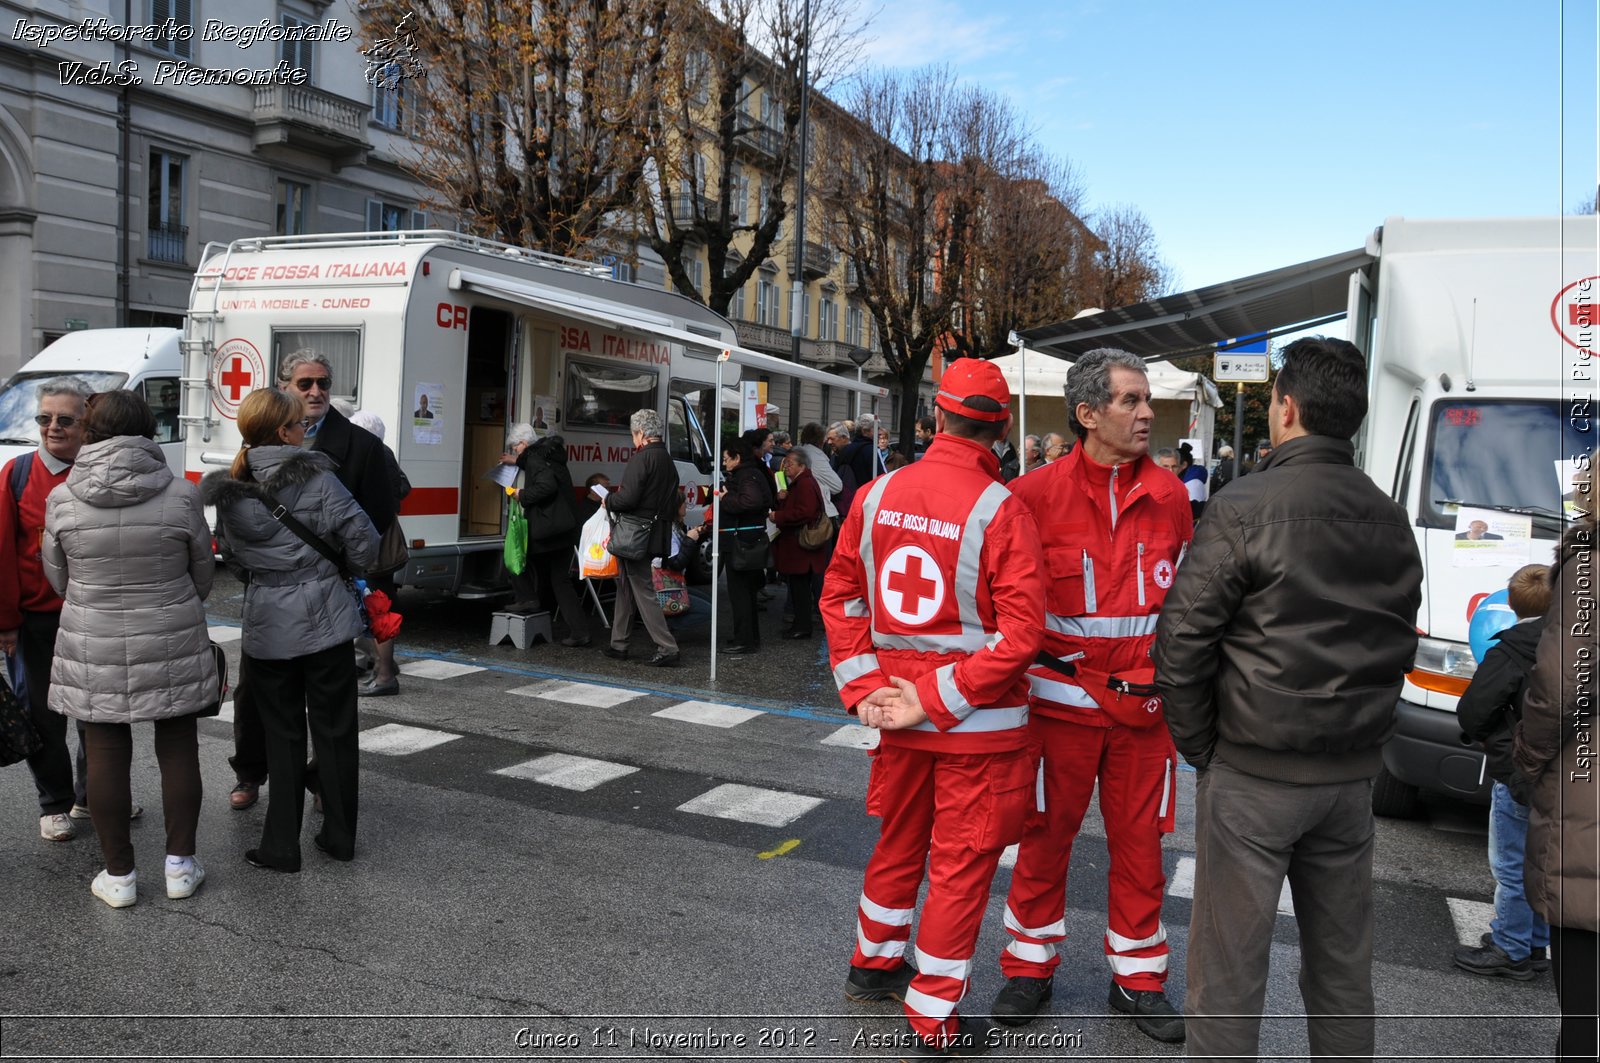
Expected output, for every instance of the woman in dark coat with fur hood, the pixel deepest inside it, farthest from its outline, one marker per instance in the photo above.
(552, 510)
(300, 619)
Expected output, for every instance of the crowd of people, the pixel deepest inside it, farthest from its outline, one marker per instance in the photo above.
(1027, 644)
(105, 562)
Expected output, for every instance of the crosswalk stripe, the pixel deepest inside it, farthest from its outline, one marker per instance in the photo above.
(853, 736)
(398, 740)
(591, 694)
(568, 772)
(708, 713)
(225, 633)
(1471, 919)
(433, 668)
(1181, 884)
(751, 804)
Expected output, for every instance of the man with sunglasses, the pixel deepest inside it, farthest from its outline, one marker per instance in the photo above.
(30, 610)
(362, 466)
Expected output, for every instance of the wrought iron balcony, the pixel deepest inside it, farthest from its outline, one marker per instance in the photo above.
(757, 138)
(168, 243)
(815, 261)
(687, 209)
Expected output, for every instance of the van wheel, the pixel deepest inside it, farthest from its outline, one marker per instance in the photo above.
(1393, 798)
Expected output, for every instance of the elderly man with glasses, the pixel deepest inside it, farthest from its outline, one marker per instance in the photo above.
(30, 611)
(367, 470)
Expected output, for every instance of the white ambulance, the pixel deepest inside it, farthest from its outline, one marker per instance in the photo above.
(451, 339)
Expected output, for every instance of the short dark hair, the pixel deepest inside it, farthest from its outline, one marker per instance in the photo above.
(740, 448)
(1327, 378)
(926, 424)
(118, 413)
(970, 427)
(812, 435)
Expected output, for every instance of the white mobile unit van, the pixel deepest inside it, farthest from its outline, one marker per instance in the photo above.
(143, 360)
(1479, 336)
(451, 339)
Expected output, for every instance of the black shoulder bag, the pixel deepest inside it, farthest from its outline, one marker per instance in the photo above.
(281, 514)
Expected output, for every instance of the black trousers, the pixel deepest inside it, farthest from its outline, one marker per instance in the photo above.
(1575, 959)
(249, 760)
(551, 569)
(802, 599)
(318, 689)
(52, 764)
(742, 590)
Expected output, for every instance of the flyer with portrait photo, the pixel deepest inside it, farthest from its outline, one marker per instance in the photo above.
(427, 414)
(1487, 538)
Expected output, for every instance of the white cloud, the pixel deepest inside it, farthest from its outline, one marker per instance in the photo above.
(907, 33)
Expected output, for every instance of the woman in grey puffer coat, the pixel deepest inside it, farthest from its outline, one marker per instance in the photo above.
(126, 544)
(300, 619)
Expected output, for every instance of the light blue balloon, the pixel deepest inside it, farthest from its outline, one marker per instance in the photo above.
(1492, 616)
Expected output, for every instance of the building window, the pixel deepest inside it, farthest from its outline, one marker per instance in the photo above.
(739, 196)
(392, 217)
(804, 308)
(766, 301)
(766, 209)
(697, 275)
(827, 396)
(291, 208)
(299, 54)
(852, 326)
(827, 320)
(180, 13)
(389, 99)
(169, 237)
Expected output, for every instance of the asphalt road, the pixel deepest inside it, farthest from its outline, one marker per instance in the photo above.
(546, 869)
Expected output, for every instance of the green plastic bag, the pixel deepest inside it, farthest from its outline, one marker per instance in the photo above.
(517, 541)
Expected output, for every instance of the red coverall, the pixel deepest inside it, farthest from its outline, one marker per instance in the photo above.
(937, 579)
(1112, 538)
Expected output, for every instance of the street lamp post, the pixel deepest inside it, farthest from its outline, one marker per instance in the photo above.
(860, 356)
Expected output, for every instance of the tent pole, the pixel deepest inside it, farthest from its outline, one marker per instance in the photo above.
(716, 513)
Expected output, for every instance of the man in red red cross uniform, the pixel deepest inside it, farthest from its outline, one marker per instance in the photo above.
(932, 606)
(1113, 525)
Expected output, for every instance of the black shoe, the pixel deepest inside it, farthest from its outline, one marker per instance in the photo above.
(973, 1037)
(792, 634)
(614, 653)
(1538, 959)
(523, 608)
(577, 643)
(1019, 1001)
(1492, 961)
(662, 659)
(867, 985)
(318, 841)
(738, 649)
(254, 858)
(1152, 1013)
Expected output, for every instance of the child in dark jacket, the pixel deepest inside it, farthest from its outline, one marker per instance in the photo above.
(1516, 944)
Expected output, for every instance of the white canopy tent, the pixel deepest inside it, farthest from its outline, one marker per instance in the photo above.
(1185, 403)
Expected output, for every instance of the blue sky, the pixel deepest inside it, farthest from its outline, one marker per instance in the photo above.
(1260, 134)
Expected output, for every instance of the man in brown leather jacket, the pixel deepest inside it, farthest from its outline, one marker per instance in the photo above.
(1279, 654)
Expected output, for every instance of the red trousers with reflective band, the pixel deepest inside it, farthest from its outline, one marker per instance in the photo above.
(952, 813)
(1137, 771)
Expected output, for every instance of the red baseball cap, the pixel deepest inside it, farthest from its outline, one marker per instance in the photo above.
(967, 378)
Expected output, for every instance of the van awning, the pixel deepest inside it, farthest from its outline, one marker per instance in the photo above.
(613, 314)
(1272, 303)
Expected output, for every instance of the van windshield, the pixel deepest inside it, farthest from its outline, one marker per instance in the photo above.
(19, 401)
(1502, 453)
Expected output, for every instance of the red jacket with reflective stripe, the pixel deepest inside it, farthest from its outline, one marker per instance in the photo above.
(1105, 583)
(22, 583)
(937, 578)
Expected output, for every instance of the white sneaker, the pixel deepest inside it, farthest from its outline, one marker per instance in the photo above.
(57, 828)
(119, 892)
(184, 879)
(82, 812)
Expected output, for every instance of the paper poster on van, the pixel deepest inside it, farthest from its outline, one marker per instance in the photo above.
(1487, 538)
(428, 414)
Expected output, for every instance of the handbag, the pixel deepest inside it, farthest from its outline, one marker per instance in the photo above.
(672, 591)
(220, 659)
(630, 536)
(746, 555)
(19, 739)
(392, 551)
(816, 535)
(516, 548)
